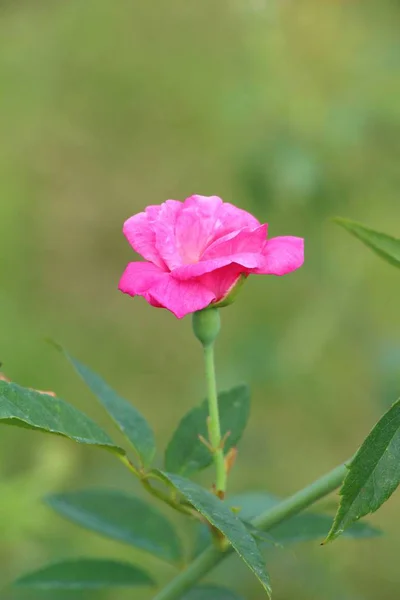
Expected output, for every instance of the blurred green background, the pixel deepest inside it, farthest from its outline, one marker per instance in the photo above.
(288, 109)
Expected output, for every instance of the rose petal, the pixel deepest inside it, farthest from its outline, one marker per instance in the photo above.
(195, 227)
(161, 290)
(164, 227)
(138, 277)
(244, 241)
(243, 248)
(221, 281)
(247, 261)
(281, 256)
(139, 231)
(185, 230)
(231, 218)
(181, 297)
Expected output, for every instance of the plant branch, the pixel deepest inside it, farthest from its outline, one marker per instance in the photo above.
(293, 505)
(214, 422)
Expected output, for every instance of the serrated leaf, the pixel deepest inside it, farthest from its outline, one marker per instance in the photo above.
(185, 453)
(219, 514)
(85, 574)
(24, 407)
(304, 527)
(373, 474)
(384, 245)
(120, 517)
(129, 420)
(210, 592)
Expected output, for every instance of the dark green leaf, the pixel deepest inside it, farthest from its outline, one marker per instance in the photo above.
(300, 528)
(86, 574)
(132, 424)
(35, 410)
(120, 517)
(373, 474)
(185, 453)
(219, 514)
(210, 592)
(384, 245)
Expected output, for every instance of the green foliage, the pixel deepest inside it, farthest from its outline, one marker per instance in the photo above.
(186, 453)
(304, 527)
(36, 410)
(132, 424)
(120, 517)
(373, 474)
(384, 245)
(86, 574)
(210, 592)
(218, 514)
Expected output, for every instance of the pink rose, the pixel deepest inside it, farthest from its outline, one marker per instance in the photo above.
(197, 250)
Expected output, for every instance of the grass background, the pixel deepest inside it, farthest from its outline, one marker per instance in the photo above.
(288, 109)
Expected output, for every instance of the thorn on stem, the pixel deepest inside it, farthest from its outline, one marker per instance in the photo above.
(206, 443)
(223, 441)
(230, 459)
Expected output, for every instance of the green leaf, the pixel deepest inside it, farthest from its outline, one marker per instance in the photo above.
(384, 245)
(210, 592)
(373, 474)
(85, 574)
(132, 424)
(304, 527)
(35, 410)
(185, 453)
(219, 514)
(120, 517)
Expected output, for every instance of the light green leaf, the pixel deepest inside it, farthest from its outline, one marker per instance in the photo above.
(185, 453)
(120, 517)
(384, 245)
(86, 574)
(210, 592)
(132, 424)
(304, 527)
(35, 410)
(373, 474)
(219, 514)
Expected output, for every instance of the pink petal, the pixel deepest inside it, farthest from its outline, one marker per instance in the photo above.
(281, 256)
(184, 230)
(245, 240)
(241, 248)
(163, 291)
(247, 260)
(138, 277)
(181, 297)
(139, 231)
(221, 281)
(164, 228)
(195, 227)
(231, 218)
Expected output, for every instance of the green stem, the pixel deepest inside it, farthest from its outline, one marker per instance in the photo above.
(211, 557)
(214, 426)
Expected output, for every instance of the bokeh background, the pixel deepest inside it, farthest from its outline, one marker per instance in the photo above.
(288, 109)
